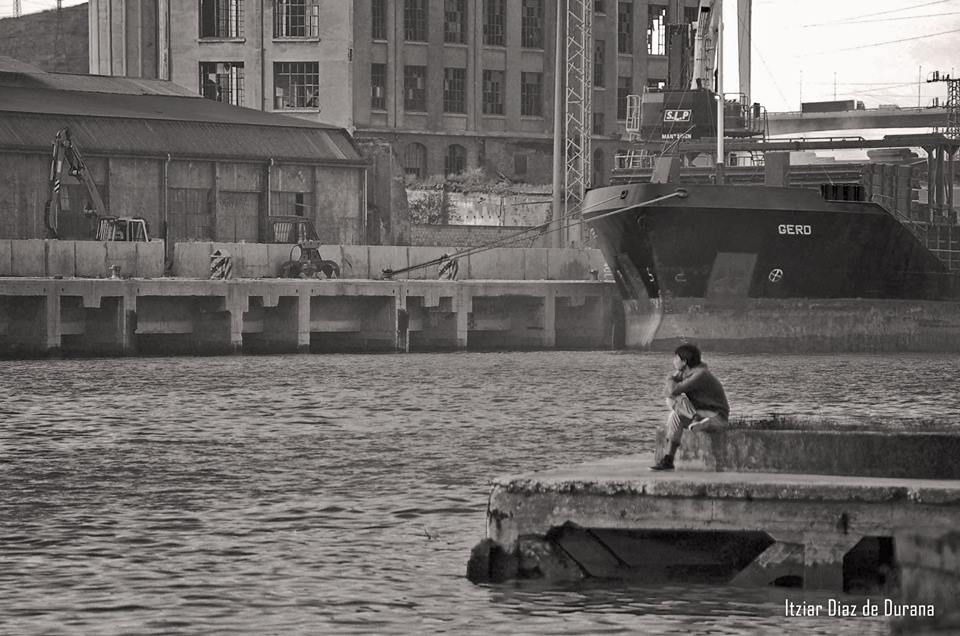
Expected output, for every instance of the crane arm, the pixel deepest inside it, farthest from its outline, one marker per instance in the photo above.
(64, 150)
(705, 44)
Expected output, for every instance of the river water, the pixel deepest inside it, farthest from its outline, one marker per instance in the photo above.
(342, 494)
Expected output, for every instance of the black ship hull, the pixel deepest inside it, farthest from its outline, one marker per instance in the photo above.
(763, 268)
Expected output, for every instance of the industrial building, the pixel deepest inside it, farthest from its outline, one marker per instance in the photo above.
(193, 168)
(450, 84)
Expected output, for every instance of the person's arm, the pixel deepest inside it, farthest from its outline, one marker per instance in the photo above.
(685, 384)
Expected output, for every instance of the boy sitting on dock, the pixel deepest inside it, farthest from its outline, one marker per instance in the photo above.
(696, 399)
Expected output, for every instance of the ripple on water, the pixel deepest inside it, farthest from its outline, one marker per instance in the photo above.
(258, 495)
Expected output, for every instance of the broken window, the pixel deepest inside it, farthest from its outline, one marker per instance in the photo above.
(455, 21)
(456, 159)
(415, 88)
(657, 30)
(494, 22)
(691, 15)
(222, 82)
(599, 6)
(378, 86)
(624, 88)
(221, 18)
(599, 51)
(531, 94)
(599, 170)
(454, 90)
(378, 19)
(625, 27)
(415, 20)
(296, 85)
(519, 164)
(296, 18)
(415, 160)
(493, 82)
(531, 24)
(656, 83)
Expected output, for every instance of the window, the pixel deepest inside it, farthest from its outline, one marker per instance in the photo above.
(624, 88)
(456, 159)
(378, 19)
(624, 27)
(222, 82)
(493, 83)
(656, 83)
(531, 24)
(415, 88)
(599, 51)
(415, 160)
(519, 164)
(296, 19)
(378, 86)
(296, 85)
(415, 20)
(599, 6)
(657, 30)
(598, 123)
(455, 21)
(454, 90)
(691, 14)
(221, 18)
(531, 94)
(494, 22)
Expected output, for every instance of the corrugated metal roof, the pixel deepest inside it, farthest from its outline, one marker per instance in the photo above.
(155, 137)
(138, 124)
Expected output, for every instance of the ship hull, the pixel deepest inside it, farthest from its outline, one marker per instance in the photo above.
(771, 269)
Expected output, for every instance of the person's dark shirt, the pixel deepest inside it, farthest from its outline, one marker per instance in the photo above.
(703, 390)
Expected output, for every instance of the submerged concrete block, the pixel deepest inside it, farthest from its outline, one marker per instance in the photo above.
(91, 259)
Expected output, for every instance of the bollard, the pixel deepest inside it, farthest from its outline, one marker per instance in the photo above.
(221, 265)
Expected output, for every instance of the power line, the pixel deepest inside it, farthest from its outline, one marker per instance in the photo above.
(897, 19)
(868, 46)
(871, 15)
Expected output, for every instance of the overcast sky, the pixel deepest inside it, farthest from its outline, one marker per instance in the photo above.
(874, 48)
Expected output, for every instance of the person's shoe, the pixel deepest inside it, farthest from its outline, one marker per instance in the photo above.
(665, 463)
(699, 424)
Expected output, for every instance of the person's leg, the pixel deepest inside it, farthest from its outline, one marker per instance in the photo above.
(674, 432)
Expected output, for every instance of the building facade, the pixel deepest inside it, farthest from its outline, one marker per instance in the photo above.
(451, 84)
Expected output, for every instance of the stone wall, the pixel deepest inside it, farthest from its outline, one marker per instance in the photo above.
(54, 41)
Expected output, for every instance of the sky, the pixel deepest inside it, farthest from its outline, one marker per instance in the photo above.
(813, 50)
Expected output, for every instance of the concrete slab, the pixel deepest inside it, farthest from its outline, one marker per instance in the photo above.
(256, 261)
(355, 261)
(91, 259)
(387, 257)
(502, 263)
(150, 259)
(569, 264)
(536, 263)
(29, 257)
(418, 255)
(123, 254)
(277, 255)
(61, 258)
(6, 257)
(192, 259)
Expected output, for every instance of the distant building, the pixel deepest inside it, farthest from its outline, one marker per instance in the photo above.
(451, 84)
(193, 168)
(55, 41)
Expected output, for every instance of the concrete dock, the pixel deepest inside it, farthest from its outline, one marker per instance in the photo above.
(82, 316)
(723, 518)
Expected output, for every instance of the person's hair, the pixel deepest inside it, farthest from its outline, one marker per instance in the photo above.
(689, 353)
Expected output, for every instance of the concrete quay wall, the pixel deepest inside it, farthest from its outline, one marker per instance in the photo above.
(929, 560)
(612, 518)
(72, 316)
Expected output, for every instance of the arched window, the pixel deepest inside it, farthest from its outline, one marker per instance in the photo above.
(456, 160)
(599, 169)
(415, 160)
